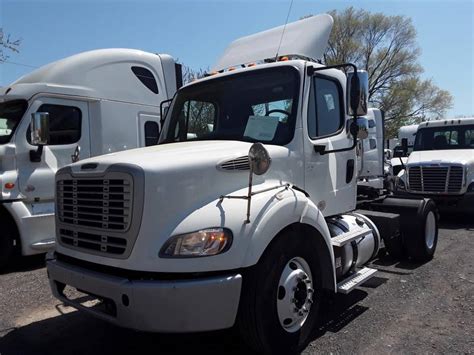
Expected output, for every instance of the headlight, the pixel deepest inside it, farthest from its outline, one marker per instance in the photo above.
(400, 184)
(205, 242)
(471, 187)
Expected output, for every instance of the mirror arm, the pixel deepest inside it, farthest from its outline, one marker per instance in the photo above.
(35, 155)
(162, 114)
(319, 148)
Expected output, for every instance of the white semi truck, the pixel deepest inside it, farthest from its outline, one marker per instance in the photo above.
(96, 102)
(245, 213)
(441, 165)
(373, 175)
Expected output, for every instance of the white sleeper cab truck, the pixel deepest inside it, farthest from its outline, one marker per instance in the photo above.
(441, 165)
(245, 212)
(89, 104)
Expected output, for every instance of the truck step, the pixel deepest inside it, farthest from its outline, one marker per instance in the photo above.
(348, 237)
(359, 277)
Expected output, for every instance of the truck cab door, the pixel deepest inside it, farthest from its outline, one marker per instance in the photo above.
(69, 129)
(330, 179)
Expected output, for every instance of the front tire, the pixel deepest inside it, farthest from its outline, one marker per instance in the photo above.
(281, 296)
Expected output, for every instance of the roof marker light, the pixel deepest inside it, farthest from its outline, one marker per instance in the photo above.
(283, 59)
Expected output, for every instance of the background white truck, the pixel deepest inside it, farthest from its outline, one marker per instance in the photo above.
(441, 165)
(98, 102)
(209, 228)
(375, 172)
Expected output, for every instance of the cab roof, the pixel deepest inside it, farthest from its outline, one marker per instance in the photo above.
(101, 74)
(448, 122)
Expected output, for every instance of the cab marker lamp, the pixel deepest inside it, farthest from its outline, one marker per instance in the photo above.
(205, 242)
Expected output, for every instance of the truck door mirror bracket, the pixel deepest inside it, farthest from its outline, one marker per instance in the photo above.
(164, 110)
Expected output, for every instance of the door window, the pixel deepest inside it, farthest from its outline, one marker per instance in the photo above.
(469, 138)
(325, 116)
(152, 133)
(64, 124)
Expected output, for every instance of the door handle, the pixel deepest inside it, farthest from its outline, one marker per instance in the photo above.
(77, 154)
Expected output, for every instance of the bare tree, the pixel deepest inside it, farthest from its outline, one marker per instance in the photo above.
(190, 74)
(7, 45)
(386, 47)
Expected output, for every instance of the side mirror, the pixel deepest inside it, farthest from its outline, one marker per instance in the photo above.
(405, 147)
(39, 128)
(358, 93)
(362, 127)
(259, 159)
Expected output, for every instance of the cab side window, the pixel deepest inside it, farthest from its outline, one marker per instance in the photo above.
(152, 133)
(325, 116)
(64, 124)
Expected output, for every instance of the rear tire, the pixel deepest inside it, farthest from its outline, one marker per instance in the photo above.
(281, 296)
(420, 244)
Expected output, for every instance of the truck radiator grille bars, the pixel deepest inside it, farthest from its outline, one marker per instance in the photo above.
(99, 203)
(435, 179)
(94, 214)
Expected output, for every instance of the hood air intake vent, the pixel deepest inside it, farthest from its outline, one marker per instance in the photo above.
(241, 163)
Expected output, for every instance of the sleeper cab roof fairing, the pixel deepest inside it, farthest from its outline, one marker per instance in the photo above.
(306, 38)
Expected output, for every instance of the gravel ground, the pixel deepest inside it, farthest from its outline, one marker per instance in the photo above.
(405, 309)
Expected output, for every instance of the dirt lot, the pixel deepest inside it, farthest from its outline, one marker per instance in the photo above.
(405, 309)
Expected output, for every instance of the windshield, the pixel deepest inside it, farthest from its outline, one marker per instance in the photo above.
(449, 137)
(253, 106)
(11, 113)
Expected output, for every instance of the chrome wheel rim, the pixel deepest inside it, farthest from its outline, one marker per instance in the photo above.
(295, 294)
(430, 229)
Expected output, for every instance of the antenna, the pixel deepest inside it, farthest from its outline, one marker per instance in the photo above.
(283, 32)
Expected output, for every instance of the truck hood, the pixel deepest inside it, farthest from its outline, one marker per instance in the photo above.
(458, 156)
(197, 155)
(181, 179)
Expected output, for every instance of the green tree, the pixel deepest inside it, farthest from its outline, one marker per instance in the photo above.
(386, 47)
(7, 45)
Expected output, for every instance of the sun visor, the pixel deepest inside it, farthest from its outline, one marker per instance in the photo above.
(307, 38)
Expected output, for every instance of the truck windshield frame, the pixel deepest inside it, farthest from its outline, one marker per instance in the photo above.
(444, 138)
(11, 113)
(258, 105)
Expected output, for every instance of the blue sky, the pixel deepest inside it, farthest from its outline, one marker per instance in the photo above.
(197, 31)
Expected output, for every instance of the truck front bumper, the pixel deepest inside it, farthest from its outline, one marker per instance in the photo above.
(169, 306)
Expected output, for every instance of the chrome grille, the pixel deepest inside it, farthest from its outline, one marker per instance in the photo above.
(100, 243)
(98, 203)
(435, 179)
